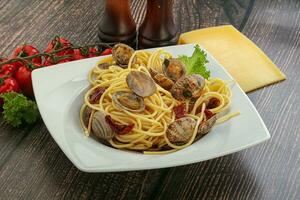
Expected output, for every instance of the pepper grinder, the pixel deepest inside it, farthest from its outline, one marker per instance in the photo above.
(117, 24)
(158, 28)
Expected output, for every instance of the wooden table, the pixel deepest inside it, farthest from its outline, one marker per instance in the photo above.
(33, 167)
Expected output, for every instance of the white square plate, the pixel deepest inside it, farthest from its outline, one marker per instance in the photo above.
(59, 94)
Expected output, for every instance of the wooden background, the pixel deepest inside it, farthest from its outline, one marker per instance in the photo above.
(33, 167)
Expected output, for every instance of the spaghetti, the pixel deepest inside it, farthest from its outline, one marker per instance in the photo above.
(150, 125)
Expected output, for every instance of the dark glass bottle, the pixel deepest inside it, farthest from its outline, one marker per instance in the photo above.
(158, 28)
(117, 24)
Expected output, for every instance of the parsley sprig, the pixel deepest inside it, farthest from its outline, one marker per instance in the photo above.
(18, 109)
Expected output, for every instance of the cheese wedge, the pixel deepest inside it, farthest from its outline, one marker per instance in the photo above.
(248, 65)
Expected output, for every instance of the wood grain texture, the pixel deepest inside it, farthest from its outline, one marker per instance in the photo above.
(33, 167)
(270, 170)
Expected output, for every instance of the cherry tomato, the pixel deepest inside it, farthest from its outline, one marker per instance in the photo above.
(59, 43)
(8, 84)
(25, 51)
(93, 52)
(78, 54)
(23, 76)
(85, 53)
(55, 44)
(8, 69)
(47, 62)
(106, 52)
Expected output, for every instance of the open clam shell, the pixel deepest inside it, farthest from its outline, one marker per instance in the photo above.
(141, 84)
(122, 53)
(188, 87)
(100, 128)
(161, 79)
(206, 126)
(173, 68)
(181, 130)
(129, 101)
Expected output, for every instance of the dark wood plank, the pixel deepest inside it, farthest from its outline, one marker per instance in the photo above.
(32, 165)
(270, 170)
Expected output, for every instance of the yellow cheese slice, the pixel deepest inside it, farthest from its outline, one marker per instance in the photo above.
(248, 65)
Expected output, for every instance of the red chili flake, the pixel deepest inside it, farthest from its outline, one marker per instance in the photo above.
(118, 128)
(179, 111)
(208, 114)
(213, 103)
(96, 95)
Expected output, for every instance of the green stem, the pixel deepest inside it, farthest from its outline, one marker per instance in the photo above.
(52, 54)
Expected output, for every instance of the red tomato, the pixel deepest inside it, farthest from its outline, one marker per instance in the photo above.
(25, 51)
(23, 76)
(59, 43)
(120, 129)
(180, 111)
(8, 69)
(47, 62)
(213, 103)
(85, 53)
(55, 44)
(208, 114)
(93, 52)
(8, 84)
(78, 54)
(106, 52)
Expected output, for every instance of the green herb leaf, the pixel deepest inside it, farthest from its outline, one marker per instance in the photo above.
(196, 63)
(18, 110)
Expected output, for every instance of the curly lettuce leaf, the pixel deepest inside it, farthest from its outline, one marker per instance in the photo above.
(196, 63)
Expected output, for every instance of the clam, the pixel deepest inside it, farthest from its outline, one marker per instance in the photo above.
(205, 126)
(128, 101)
(141, 84)
(188, 87)
(122, 53)
(173, 68)
(100, 128)
(161, 79)
(86, 115)
(103, 65)
(181, 130)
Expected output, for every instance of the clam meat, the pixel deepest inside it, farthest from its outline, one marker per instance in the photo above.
(128, 101)
(141, 84)
(173, 68)
(100, 128)
(161, 79)
(188, 87)
(122, 53)
(181, 130)
(103, 65)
